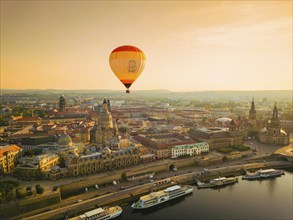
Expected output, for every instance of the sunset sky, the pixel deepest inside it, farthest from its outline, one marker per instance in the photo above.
(189, 46)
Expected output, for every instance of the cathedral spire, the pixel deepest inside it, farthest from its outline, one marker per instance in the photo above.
(252, 103)
(62, 104)
(275, 112)
(252, 111)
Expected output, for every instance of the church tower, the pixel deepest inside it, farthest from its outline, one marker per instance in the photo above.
(274, 124)
(252, 123)
(252, 111)
(105, 129)
(272, 133)
(62, 104)
(232, 128)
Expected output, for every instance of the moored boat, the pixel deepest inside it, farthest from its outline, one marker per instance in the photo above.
(263, 174)
(162, 196)
(100, 214)
(217, 182)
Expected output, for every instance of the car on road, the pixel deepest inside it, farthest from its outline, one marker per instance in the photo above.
(80, 200)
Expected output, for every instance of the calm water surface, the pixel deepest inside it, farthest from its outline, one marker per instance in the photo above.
(266, 199)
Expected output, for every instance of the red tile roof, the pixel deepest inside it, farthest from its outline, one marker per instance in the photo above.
(8, 148)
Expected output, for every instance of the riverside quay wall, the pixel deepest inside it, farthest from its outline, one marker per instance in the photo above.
(78, 186)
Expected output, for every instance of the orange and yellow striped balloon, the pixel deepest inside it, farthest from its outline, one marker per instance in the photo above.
(127, 63)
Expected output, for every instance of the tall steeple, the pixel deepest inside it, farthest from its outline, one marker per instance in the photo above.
(275, 112)
(62, 104)
(109, 106)
(252, 111)
(274, 122)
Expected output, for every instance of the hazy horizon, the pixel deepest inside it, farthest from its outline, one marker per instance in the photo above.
(190, 46)
(142, 90)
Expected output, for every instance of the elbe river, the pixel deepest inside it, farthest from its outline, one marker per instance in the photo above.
(266, 199)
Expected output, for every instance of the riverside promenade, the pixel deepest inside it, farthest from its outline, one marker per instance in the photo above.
(131, 194)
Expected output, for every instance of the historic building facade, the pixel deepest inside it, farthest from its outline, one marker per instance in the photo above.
(105, 131)
(102, 161)
(8, 157)
(36, 166)
(272, 133)
(219, 137)
(190, 149)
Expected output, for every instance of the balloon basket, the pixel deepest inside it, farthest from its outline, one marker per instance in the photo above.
(127, 91)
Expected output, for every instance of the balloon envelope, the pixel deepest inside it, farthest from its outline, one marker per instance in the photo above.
(127, 63)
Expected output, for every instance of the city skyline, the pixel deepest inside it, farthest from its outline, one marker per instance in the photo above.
(189, 46)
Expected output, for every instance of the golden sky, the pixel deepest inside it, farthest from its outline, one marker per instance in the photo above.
(189, 46)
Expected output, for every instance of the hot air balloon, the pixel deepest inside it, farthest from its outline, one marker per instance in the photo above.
(127, 63)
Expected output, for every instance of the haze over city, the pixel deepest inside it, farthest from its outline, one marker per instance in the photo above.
(189, 46)
(205, 133)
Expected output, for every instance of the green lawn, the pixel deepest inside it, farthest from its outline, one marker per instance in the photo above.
(241, 148)
(225, 150)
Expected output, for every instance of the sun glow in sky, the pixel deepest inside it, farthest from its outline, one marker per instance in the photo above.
(189, 46)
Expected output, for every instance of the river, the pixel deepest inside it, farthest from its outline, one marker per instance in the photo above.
(270, 199)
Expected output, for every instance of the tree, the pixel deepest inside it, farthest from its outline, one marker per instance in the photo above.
(39, 189)
(123, 176)
(62, 163)
(27, 113)
(29, 188)
(3, 122)
(29, 193)
(40, 113)
(20, 193)
(1, 197)
(10, 195)
(123, 129)
(28, 153)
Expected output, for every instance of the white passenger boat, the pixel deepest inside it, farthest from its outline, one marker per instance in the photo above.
(263, 174)
(162, 196)
(100, 214)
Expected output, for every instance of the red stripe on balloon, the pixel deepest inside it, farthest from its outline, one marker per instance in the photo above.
(127, 48)
(127, 81)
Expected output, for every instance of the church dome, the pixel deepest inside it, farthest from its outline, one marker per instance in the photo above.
(224, 120)
(65, 141)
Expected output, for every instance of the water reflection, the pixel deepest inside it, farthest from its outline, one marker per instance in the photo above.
(272, 183)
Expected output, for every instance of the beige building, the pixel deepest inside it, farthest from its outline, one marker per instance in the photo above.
(190, 149)
(287, 125)
(8, 156)
(102, 161)
(219, 137)
(36, 166)
(272, 133)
